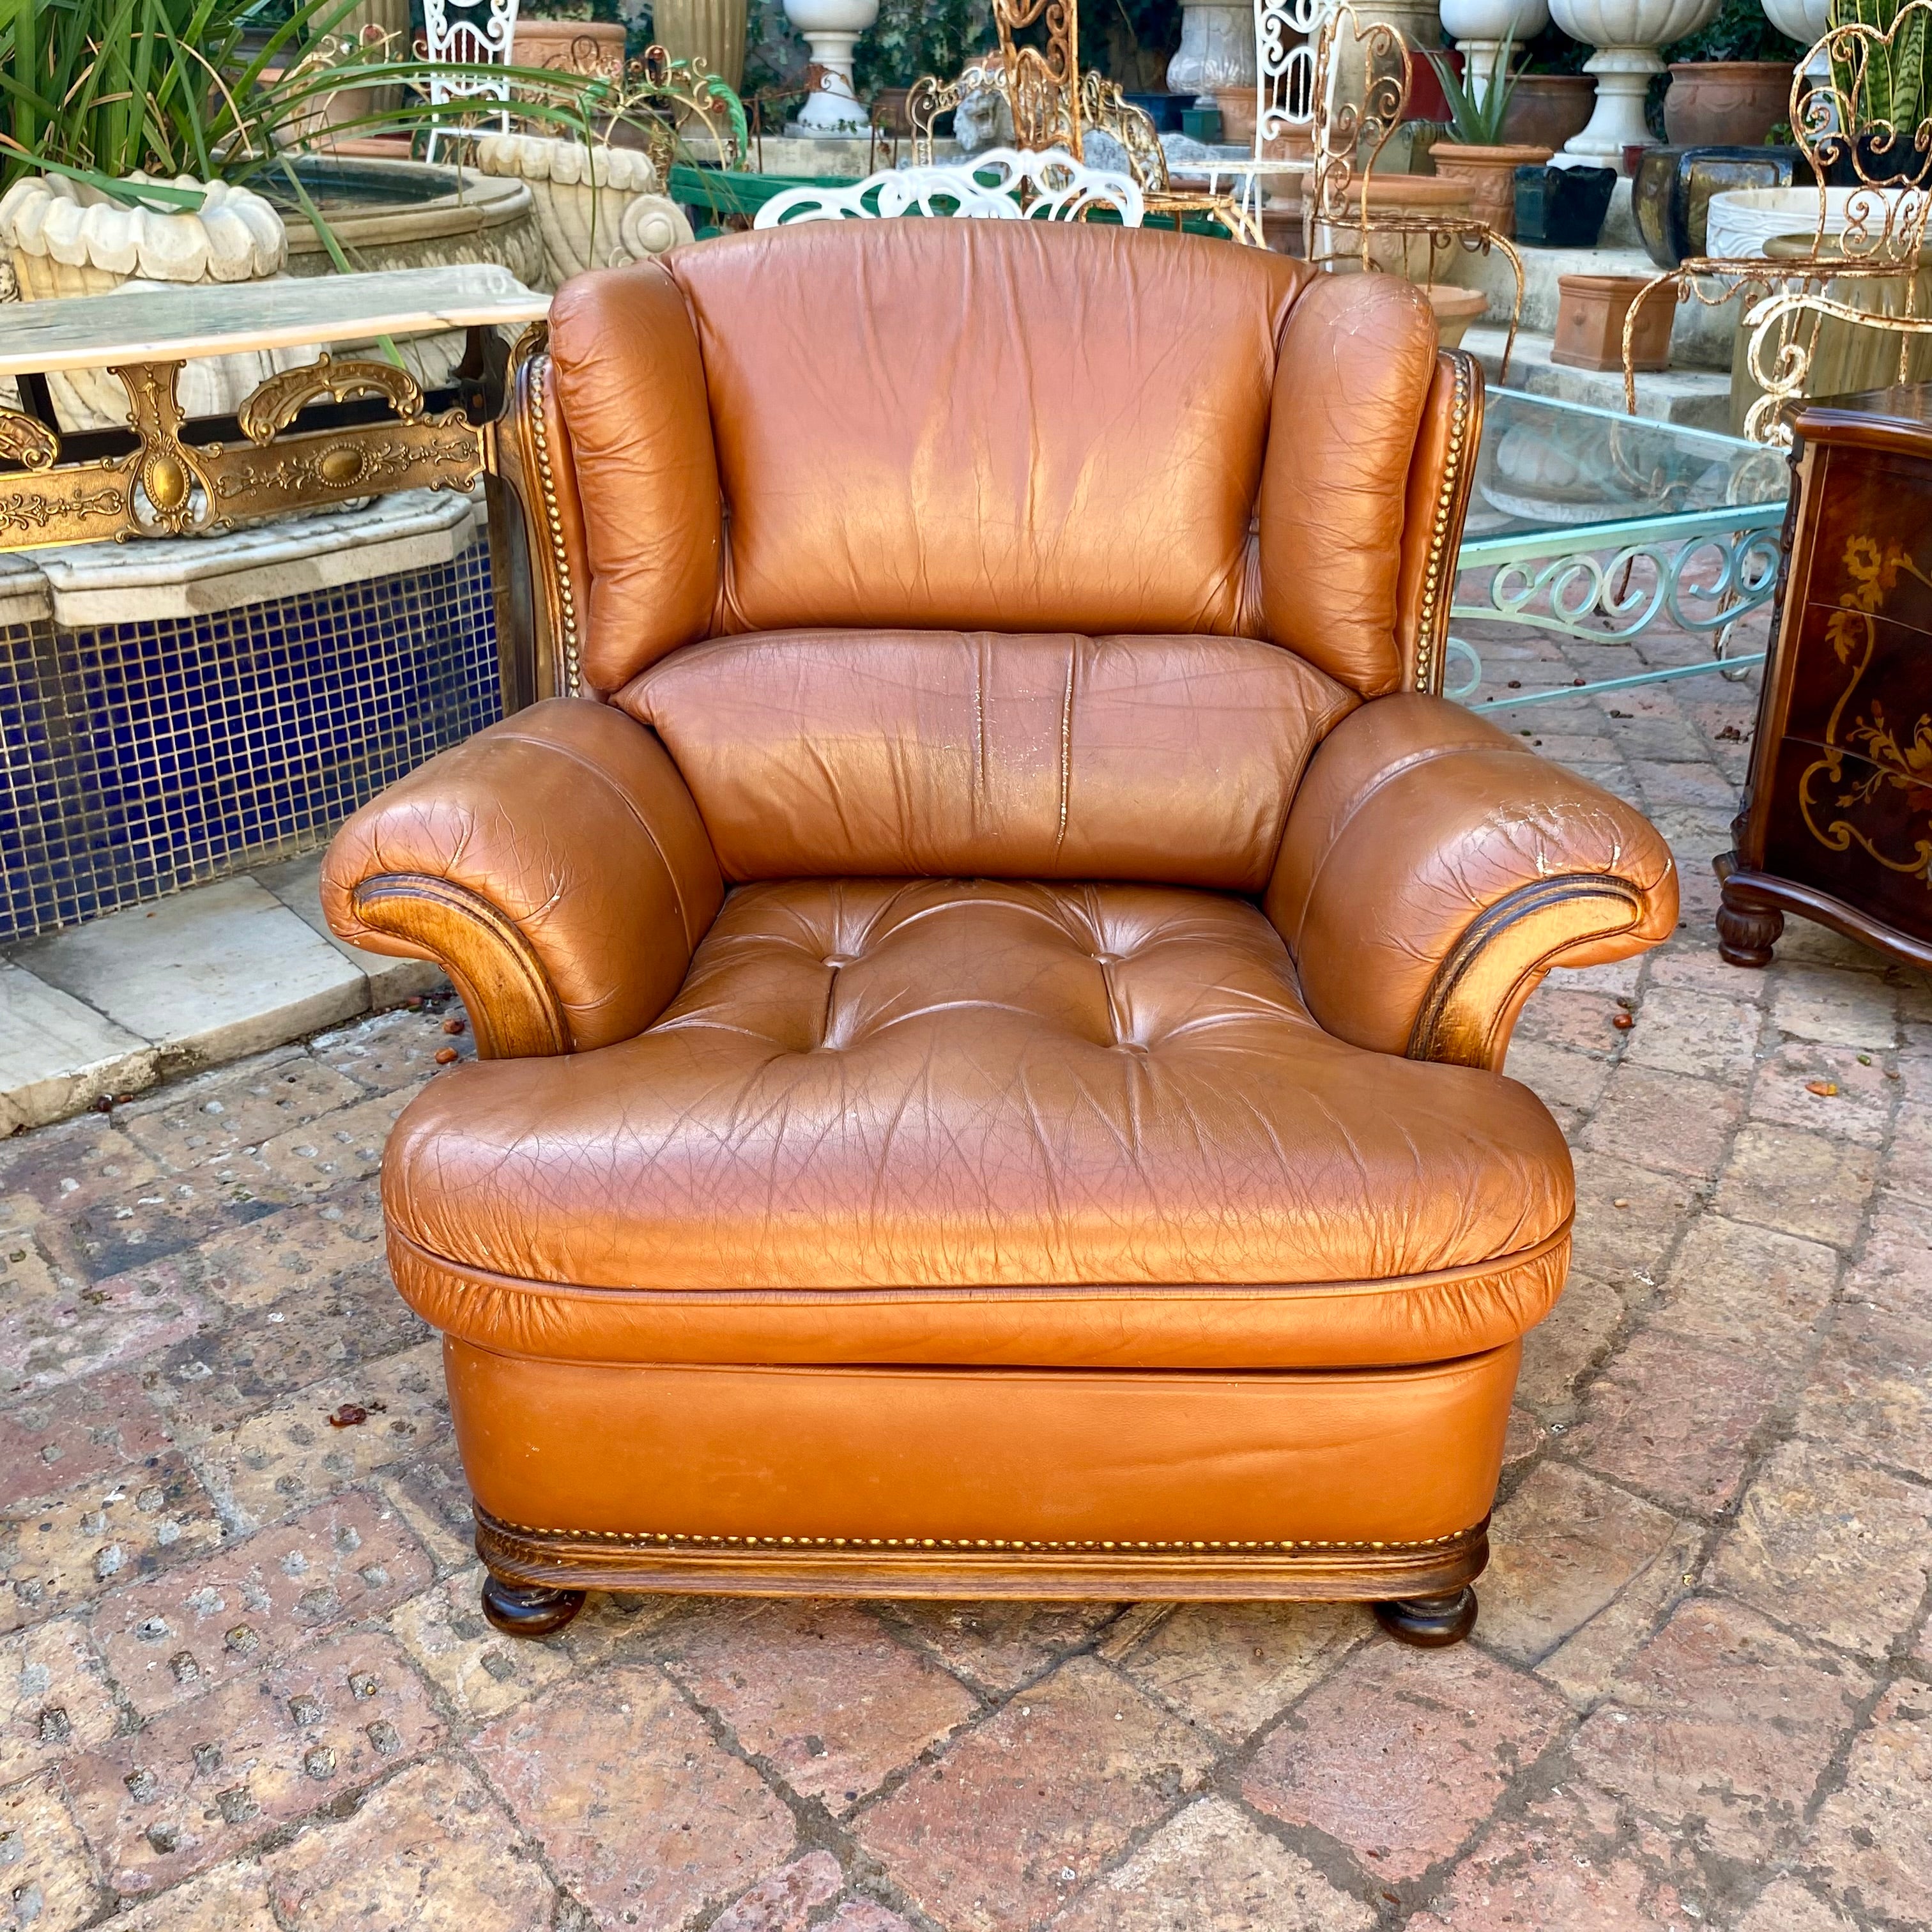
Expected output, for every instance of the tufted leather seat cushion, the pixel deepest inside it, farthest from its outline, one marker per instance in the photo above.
(948, 1121)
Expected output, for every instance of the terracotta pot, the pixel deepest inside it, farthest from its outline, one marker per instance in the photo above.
(1455, 309)
(1590, 322)
(712, 31)
(1491, 175)
(1546, 109)
(1237, 115)
(1405, 255)
(1726, 104)
(571, 46)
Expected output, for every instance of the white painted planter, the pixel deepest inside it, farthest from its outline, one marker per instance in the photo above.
(1806, 22)
(598, 208)
(1626, 35)
(832, 28)
(1477, 27)
(1216, 53)
(65, 239)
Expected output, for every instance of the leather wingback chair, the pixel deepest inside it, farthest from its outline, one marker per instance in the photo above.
(991, 989)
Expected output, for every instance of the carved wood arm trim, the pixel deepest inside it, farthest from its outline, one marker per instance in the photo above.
(513, 1008)
(1472, 1003)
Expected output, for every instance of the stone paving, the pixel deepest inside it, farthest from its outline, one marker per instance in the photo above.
(244, 1685)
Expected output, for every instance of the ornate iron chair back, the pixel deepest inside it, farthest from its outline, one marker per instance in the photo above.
(474, 33)
(1359, 86)
(1026, 186)
(1868, 142)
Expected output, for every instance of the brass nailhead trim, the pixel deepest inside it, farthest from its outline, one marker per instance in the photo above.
(1432, 583)
(660, 1539)
(553, 519)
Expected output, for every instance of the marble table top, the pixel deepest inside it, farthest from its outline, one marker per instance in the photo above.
(156, 323)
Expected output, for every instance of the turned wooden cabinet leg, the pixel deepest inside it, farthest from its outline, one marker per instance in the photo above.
(522, 1610)
(1746, 933)
(1429, 1623)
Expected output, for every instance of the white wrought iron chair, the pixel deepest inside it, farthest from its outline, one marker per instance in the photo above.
(1026, 185)
(468, 33)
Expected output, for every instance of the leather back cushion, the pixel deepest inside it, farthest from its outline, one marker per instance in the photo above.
(950, 753)
(1029, 425)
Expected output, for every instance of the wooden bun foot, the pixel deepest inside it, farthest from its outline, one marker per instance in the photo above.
(518, 1610)
(1429, 1623)
(1746, 934)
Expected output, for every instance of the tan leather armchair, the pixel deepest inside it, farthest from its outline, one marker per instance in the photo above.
(992, 984)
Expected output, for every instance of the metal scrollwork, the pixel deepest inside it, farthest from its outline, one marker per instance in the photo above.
(26, 440)
(275, 403)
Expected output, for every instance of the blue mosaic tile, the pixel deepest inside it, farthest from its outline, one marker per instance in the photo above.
(140, 758)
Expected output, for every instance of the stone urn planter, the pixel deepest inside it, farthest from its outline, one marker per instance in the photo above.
(65, 238)
(711, 31)
(1546, 109)
(1490, 173)
(1477, 27)
(1726, 104)
(1626, 35)
(593, 47)
(596, 207)
(1216, 53)
(832, 28)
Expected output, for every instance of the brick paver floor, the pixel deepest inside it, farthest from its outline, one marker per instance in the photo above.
(245, 1685)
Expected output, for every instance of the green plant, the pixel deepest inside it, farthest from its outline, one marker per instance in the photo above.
(1738, 31)
(1892, 86)
(1477, 121)
(911, 38)
(98, 90)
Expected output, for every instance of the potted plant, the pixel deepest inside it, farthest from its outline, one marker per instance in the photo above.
(1730, 81)
(1478, 154)
(1887, 94)
(584, 37)
(1554, 97)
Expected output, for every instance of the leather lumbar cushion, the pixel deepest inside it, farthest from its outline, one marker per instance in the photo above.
(950, 753)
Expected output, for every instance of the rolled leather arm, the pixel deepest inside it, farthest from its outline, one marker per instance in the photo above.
(1433, 870)
(553, 865)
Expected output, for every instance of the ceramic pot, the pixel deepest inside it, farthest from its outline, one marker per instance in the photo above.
(1237, 107)
(1726, 104)
(1546, 109)
(1562, 208)
(832, 28)
(711, 31)
(1672, 189)
(595, 47)
(1456, 309)
(1491, 174)
(65, 238)
(1590, 315)
(1626, 35)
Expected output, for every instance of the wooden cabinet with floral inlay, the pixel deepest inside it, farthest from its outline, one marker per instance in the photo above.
(1837, 820)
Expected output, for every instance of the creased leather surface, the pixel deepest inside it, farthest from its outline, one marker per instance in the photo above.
(1414, 818)
(996, 425)
(570, 819)
(1358, 358)
(628, 376)
(1340, 1325)
(932, 753)
(876, 1084)
(1389, 1455)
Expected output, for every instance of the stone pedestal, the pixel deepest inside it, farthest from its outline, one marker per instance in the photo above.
(1217, 54)
(1627, 34)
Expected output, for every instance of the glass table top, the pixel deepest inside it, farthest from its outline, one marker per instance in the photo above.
(1548, 467)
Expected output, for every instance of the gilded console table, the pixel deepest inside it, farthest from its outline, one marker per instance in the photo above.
(330, 430)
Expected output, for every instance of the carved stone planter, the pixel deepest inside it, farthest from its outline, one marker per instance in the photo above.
(1626, 35)
(595, 207)
(65, 238)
